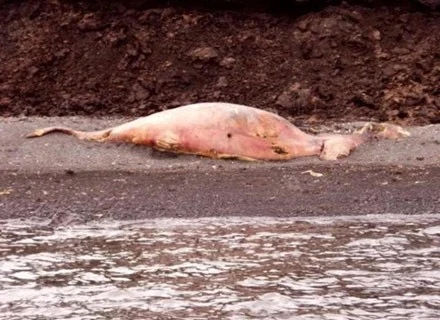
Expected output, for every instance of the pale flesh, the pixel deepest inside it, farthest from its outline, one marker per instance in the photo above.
(224, 130)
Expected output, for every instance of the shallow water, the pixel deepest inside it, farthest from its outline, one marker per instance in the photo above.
(253, 268)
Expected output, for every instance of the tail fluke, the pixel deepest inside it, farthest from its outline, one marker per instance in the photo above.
(82, 135)
(41, 132)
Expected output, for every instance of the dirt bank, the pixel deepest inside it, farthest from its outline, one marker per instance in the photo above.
(343, 62)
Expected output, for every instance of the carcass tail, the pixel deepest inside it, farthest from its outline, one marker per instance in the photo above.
(82, 135)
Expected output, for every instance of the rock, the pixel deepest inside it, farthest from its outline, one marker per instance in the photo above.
(285, 100)
(303, 25)
(61, 53)
(89, 23)
(309, 51)
(375, 35)
(227, 62)
(33, 70)
(4, 102)
(222, 82)
(139, 93)
(116, 38)
(216, 94)
(204, 54)
(297, 99)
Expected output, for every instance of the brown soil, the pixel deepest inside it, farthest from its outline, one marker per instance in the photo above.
(343, 62)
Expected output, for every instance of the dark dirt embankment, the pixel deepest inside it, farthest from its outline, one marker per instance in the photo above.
(343, 62)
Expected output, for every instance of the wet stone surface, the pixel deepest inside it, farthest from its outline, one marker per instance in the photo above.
(338, 268)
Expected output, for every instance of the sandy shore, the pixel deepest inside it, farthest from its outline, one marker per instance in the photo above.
(69, 180)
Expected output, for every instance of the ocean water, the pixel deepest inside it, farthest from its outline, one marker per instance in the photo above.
(374, 267)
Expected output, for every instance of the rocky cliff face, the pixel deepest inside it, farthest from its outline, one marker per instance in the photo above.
(314, 63)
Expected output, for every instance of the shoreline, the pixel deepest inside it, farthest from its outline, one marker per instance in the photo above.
(70, 181)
